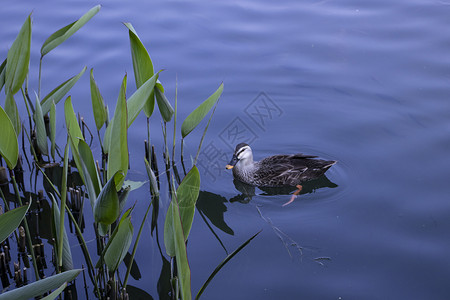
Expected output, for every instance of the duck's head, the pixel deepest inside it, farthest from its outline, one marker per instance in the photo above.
(242, 153)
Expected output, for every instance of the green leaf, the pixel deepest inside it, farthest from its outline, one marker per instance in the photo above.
(10, 220)
(64, 33)
(67, 261)
(142, 66)
(12, 112)
(164, 106)
(56, 292)
(75, 135)
(53, 129)
(120, 244)
(134, 106)
(59, 92)
(18, 59)
(9, 147)
(187, 194)
(41, 134)
(184, 273)
(152, 178)
(223, 263)
(134, 185)
(92, 179)
(106, 206)
(2, 74)
(98, 105)
(137, 101)
(118, 145)
(200, 112)
(40, 287)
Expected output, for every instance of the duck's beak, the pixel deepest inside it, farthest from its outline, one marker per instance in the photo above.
(232, 163)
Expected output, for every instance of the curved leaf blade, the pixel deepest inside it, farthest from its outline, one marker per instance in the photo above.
(10, 220)
(138, 100)
(75, 135)
(120, 244)
(13, 113)
(200, 112)
(92, 179)
(59, 92)
(142, 66)
(67, 31)
(67, 261)
(40, 287)
(18, 59)
(223, 263)
(187, 195)
(56, 292)
(106, 206)
(164, 106)
(9, 147)
(53, 129)
(98, 105)
(118, 145)
(184, 272)
(41, 134)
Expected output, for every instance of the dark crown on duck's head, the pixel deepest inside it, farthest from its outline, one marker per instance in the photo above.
(239, 146)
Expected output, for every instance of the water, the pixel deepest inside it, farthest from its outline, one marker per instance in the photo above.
(365, 83)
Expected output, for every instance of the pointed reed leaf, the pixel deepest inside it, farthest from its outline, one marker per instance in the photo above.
(223, 263)
(41, 134)
(142, 66)
(75, 135)
(98, 105)
(66, 253)
(126, 214)
(53, 129)
(2, 74)
(64, 33)
(151, 175)
(106, 206)
(164, 106)
(92, 179)
(134, 106)
(40, 287)
(10, 220)
(18, 59)
(9, 147)
(120, 244)
(139, 98)
(61, 229)
(183, 270)
(187, 194)
(118, 145)
(12, 112)
(53, 295)
(123, 196)
(200, 112)
(59, 92)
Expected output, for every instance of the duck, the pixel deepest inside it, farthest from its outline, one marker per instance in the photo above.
(277, 170)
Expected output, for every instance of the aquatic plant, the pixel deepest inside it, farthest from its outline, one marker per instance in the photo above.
(105, 185)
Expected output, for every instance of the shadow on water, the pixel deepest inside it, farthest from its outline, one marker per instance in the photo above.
(248, 191)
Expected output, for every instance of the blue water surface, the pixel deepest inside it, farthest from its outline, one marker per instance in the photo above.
(366, 83)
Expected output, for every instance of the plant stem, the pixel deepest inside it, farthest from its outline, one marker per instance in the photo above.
(39, 82)
(63, 203)
(135, 246)
(25, 224)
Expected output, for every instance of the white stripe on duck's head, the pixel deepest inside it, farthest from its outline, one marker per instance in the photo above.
(243, 153)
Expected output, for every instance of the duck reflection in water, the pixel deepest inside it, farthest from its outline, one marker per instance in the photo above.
(248, 191)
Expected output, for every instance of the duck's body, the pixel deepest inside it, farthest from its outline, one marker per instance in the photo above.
(277, 170)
